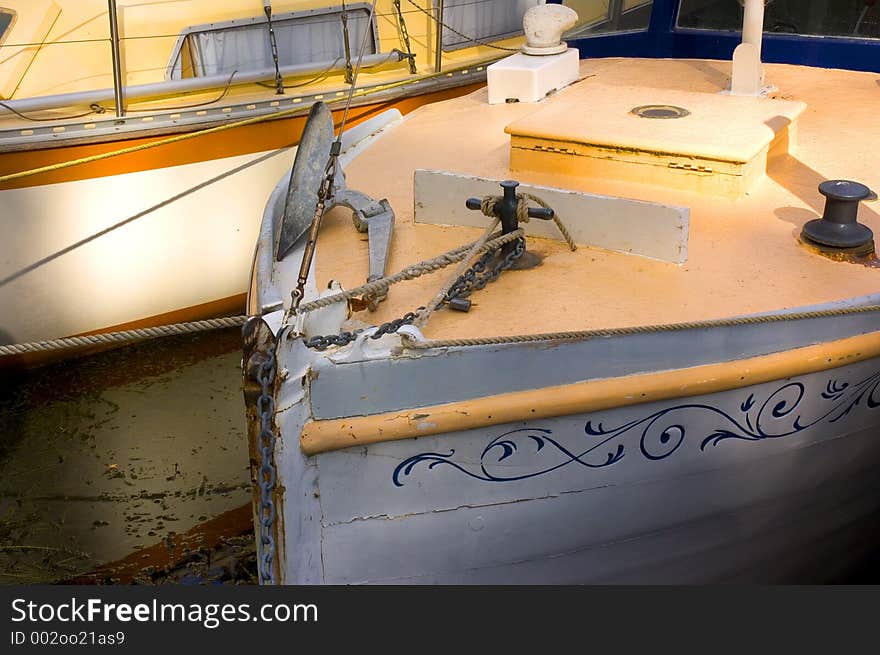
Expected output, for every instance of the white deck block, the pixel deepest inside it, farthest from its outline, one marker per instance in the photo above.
(529, 78)
(633, 227)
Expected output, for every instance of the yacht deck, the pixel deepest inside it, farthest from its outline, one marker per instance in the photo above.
(744, 254)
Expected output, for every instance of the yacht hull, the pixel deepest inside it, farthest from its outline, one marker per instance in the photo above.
(761, 483)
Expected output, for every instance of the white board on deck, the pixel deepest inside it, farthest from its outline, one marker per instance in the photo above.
(633, 227)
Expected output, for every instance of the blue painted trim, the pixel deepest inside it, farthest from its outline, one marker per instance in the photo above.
(663, 40)
(533, 452)
(822, 52)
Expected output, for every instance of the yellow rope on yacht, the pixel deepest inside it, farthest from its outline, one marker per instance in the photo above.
(144, 146)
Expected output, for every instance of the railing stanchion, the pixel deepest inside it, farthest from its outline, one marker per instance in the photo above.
(117, 65)
(438, 54)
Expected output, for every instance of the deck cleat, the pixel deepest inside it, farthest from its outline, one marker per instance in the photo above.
(506, 208)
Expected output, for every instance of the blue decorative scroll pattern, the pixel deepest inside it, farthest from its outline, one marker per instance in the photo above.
(662, 433)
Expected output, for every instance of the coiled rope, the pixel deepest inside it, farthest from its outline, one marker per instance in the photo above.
(487, 206)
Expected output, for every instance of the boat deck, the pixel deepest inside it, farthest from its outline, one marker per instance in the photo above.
(744, 255)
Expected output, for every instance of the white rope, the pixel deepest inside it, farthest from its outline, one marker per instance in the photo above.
(409, 342)
(124, 336)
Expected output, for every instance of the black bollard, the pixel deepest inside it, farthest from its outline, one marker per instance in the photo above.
(839, 226)
(506, 210)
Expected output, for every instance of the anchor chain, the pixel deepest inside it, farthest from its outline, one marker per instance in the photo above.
(474, 279)
(345, 338)
(266, 476)
(477, 277)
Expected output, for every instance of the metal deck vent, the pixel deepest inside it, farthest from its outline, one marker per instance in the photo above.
(660, 111)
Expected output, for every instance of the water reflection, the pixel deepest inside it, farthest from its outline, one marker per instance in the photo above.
(117, 452)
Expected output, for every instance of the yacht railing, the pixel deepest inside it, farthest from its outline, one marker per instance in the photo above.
(118, 89)
(169, 88)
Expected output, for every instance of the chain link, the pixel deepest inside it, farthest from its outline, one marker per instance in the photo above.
(477, 277)
(404, 33)
(345, 338)
(266, 476)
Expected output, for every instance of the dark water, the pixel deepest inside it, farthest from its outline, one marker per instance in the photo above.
(132, 466)
(109, 455)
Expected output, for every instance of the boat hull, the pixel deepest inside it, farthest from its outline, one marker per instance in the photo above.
(611, 420)
(101, 252)
(759, 483)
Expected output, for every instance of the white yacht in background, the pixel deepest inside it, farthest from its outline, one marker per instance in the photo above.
(139, 141)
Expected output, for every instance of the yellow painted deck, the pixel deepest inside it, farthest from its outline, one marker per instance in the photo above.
(744, 254)
(610, 141)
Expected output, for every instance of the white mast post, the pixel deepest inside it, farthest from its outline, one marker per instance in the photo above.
(748, 72)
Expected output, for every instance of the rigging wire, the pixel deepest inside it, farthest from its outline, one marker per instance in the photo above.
(347, 43)
(279, 83)
(100, 109)
(316, 21)
(194, 105)
(321, 76)
(353, 85)
(471, 39)
(54, 118)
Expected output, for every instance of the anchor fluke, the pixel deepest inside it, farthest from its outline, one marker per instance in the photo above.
(306, 178)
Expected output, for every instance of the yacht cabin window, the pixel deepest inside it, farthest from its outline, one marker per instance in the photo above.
(604, 16)
(6, 18)
(303, 37)
(848, 18)
(466, 20)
